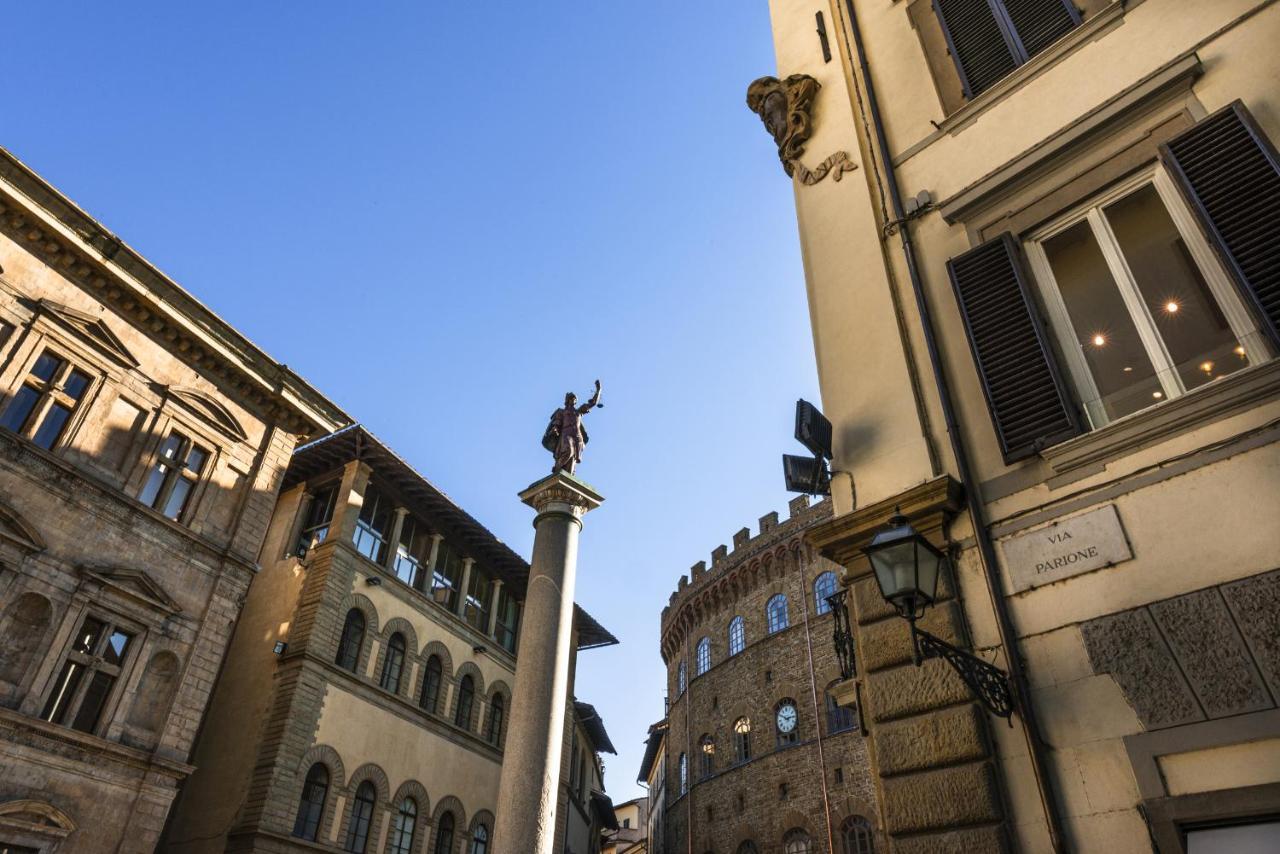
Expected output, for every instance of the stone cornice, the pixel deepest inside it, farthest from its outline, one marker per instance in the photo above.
(95, 749)
(928, 505)
(68, 240)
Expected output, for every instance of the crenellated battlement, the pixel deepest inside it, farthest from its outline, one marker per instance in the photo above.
(770, 531)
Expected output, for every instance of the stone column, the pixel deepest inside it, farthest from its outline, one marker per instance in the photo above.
(526, 818)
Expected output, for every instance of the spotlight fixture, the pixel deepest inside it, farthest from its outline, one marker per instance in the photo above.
(280, 647)
(809, 474)
(373, 581)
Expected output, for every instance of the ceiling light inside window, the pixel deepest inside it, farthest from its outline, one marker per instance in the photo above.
(1099, 339)
(1157, 394)
(1207, 367)
(1172, 306)
(1240, 351)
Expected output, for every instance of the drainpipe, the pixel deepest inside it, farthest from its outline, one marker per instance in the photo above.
(982, 533)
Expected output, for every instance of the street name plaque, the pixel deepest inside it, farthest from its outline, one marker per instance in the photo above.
(1066, 548)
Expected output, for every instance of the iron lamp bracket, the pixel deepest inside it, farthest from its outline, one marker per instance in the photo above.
(988, 682)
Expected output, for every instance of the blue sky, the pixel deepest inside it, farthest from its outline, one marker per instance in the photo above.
(445, 215)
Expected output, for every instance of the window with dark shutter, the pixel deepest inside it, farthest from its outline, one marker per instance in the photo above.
(988, 39)
(1230, 173)
(1028, 402)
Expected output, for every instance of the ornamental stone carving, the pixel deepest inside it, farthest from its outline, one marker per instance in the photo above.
(786, 109)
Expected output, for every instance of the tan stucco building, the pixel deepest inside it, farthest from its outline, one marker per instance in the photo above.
(1039, 247)
(142, 443)
(364, 703)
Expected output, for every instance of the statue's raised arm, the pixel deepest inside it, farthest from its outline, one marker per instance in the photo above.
(592, 403)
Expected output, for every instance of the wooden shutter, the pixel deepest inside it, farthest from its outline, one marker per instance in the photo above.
(1040, 23)
(977, 41)
(1230, 173)
(1028, 402)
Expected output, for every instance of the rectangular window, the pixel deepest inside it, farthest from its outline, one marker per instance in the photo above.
(988, 39)
(479, 598)
(92, 666)
(374, 525)
(43, 404)
(1141, 310)
(173, 478)
(446, 576)
(315, 527)
(413, 553)
(508, 622)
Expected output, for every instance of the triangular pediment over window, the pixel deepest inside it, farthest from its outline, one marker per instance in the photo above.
(133, 584)
(91, 329)
(210, 411)
(18, 531)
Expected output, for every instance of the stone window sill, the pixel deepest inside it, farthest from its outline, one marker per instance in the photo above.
(1234, 393)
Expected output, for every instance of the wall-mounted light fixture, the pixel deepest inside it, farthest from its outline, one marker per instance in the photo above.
(907, 568)
(280, 647)
(805, 474)
(373, 581)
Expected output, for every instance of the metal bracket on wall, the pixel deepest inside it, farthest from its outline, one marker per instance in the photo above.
(822, 37)
(988, 682)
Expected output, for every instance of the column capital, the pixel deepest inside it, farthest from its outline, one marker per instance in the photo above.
(561, 493)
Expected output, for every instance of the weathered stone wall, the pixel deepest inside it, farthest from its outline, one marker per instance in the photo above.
(812, 785)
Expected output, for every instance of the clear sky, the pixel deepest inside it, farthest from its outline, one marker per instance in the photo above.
(445, 215)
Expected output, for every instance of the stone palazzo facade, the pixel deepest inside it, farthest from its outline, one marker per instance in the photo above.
(758, 756)
(1046, 314)
(142, 444)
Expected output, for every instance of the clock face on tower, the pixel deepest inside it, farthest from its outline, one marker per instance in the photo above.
(786, 718)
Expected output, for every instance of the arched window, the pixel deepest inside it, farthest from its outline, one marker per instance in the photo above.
(431, 681)
(496, 709)
(856, 836)
(776, 612)
(311, 804)
(708, 745)
(684, 773)
(747, 847)
(361, 816)
(682, 679)
(480, 840)
(839, 718)
(796, 842)
(404, 826)
(352, 639)
(737, 635)
(742, 739)
(704, 656)
(786, 722)
(466, 696)
(393, 664)
(823, 586)
(444, 834)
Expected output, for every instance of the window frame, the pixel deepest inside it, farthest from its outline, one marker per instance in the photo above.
(467, 693)
(1221, 287)
(432, 675)
(784, 622)
(300, 822)
(497, 718)
(1013, 40)
(707, 763)
(308, 526)
(742, 740)
(396, 843)
(356, 833)
(343, 645)
(189, 441)
(702, 656)
(682, 678)
(820, 604)
(93, 663)
(393, 662)
(738, 632)
(52, 392)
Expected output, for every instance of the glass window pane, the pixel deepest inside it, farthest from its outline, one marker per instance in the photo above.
(46, 366)
(172, 444)
(19, 409)
(51, 425)
(117, 646)
(196, 459)
(64, 690)
(151, 489)
(95, 697)
(75, 385)
(178, 498)
(1192, 326)
(1103, 329)
(87, 640)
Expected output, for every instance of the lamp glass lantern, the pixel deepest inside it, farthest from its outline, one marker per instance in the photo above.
(907, 567)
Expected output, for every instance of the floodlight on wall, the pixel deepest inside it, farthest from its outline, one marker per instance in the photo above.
(809, 474)
(907, 568)
(373, 581)
(280, 647)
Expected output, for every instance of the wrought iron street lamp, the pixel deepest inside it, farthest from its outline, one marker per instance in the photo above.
(907, 567)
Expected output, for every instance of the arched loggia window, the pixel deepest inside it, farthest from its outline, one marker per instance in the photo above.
(466, 697)
(431, 681)
(393, 664)
(352, 640)
(311, 804)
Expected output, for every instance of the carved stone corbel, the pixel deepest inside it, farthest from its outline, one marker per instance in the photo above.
(786, 109)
